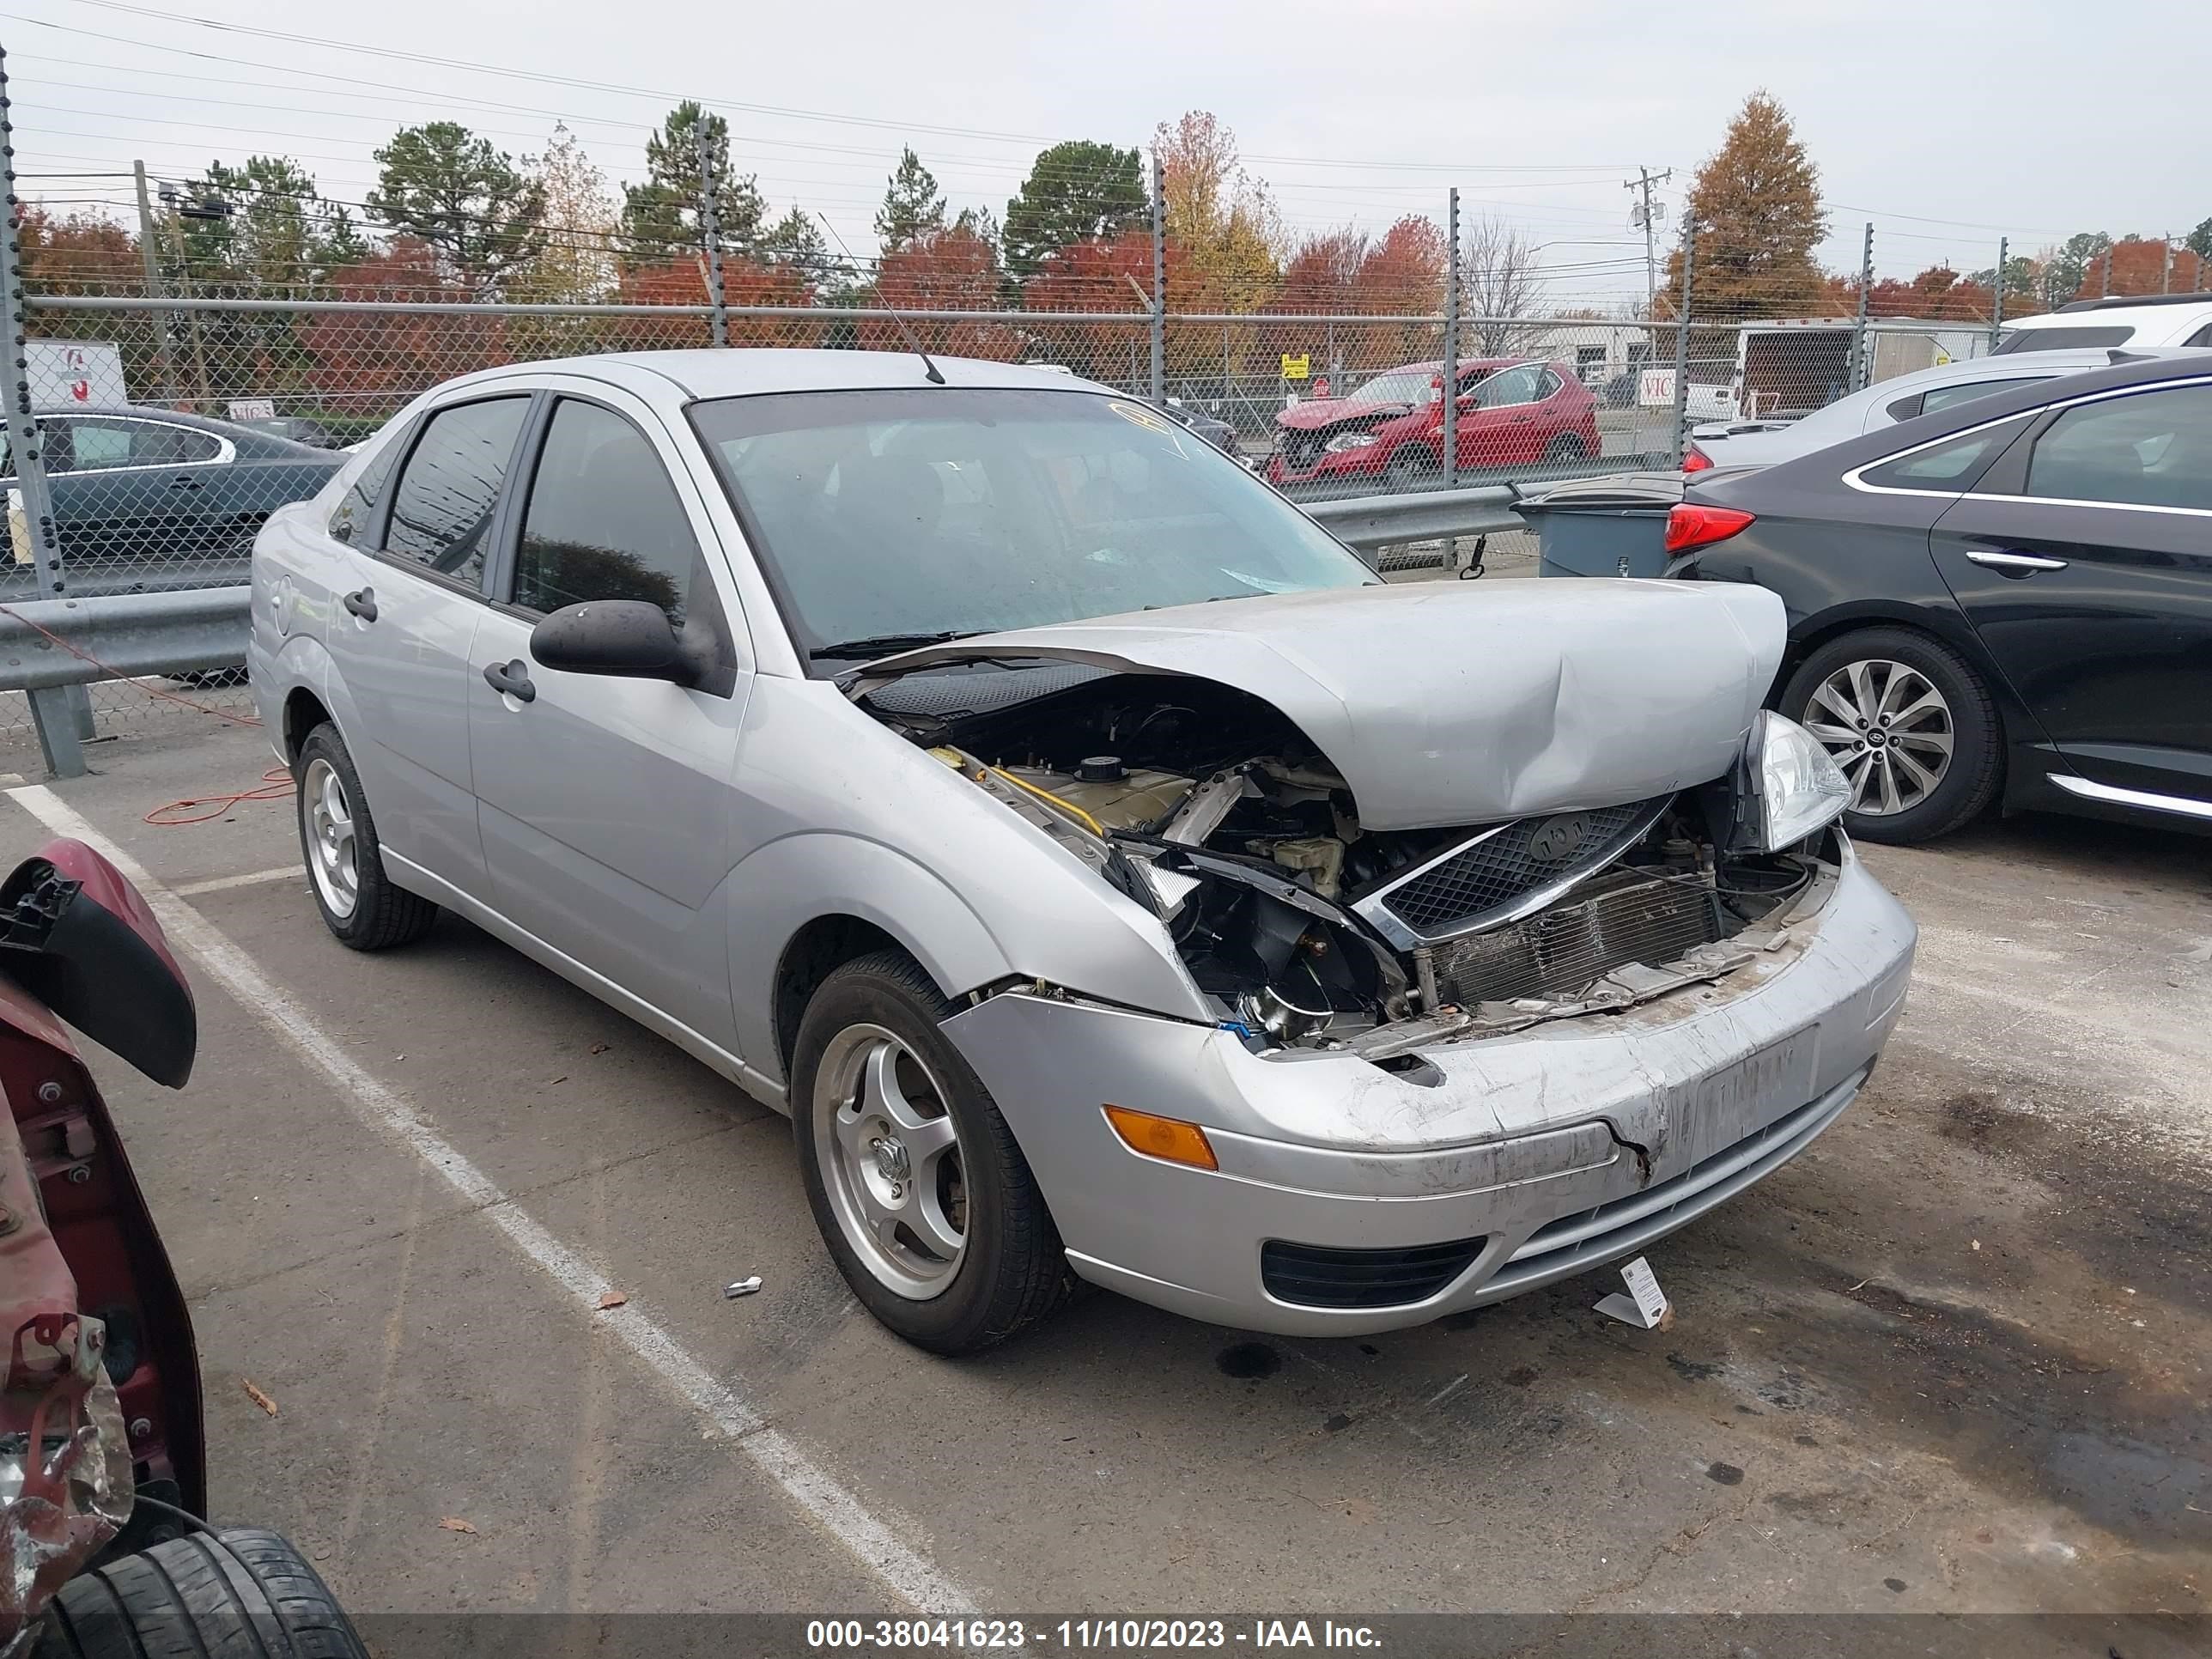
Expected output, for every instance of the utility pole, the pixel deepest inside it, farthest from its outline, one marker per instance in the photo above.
(710, 231)
(1862, 370)
(1642, 214)
(162, 319)
(2166, 275)
(184, 286)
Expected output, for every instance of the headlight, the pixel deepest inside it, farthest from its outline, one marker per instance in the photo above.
(1344, 440)
(1796, 788)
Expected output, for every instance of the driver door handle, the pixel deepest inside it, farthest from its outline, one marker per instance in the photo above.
(2015, 565)
(510, 679)
(363, 604)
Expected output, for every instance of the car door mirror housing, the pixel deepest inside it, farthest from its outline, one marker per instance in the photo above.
(626, 639)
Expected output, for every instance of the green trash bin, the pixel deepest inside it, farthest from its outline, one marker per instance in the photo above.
(1610, 527)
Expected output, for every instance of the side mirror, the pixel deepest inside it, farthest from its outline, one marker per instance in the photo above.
(626, 639)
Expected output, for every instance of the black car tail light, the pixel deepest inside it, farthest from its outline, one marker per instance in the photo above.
(1691, 526)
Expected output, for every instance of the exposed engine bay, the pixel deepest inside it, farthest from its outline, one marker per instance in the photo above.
(1208, 807)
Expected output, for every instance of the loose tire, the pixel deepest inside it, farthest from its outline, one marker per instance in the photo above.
(923, 1197)
(1910, 724)
(360, 904)
(241, 1591)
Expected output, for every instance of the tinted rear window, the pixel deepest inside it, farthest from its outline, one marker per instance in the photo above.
(2064, 339)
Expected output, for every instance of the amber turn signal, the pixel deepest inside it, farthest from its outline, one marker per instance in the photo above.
(1165, 1138)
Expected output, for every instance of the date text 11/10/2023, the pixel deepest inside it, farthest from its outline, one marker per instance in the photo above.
(1085, 1634)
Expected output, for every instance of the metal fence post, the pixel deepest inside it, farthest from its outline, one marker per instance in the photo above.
(1862, 371)
(1159, 285)
(1997, 310)
(62, 719)
(710, 231)
(1678, 441)
(1451, 346)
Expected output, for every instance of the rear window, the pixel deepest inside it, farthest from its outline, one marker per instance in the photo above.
(2064, 339)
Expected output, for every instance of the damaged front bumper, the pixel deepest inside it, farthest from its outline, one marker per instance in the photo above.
(1352, 1199)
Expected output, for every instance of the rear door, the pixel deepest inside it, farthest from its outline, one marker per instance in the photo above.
(605, 803)
(2084, 561)
(410, 598)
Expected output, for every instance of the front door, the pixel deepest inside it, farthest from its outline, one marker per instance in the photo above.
(605, 803)
(2085, 562)
(1503, 428)
(408, 609)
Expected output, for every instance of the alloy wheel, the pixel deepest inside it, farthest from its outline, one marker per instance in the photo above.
(891, 1161)
(333, 849)
(1889, 729)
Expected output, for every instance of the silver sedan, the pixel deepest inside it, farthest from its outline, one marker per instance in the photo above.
(1109, 875)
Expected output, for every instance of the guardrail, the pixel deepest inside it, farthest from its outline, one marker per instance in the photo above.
(49, 648)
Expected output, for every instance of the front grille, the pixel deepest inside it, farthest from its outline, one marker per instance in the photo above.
(1316, 1276)
(1625, 917)
(1458, 894)
(1302, 449)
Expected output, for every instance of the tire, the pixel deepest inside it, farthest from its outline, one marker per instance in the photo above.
(241, 1591)
(1009, 1270)
(1897, 669)
(1412, 467)
(360, 904)
(1567, 447)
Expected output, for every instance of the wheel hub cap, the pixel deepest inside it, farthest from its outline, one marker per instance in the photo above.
(1889, 729)
(891, 1161)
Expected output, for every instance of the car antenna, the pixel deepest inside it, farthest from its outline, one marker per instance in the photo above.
(935, 374)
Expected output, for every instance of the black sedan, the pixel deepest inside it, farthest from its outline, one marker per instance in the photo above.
(146, 499)
(2008, 602)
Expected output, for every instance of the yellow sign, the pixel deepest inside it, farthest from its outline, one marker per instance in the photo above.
(1298, 367)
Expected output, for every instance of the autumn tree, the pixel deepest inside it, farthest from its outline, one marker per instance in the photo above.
(662, 218)
(469, 204)
(77, 253)
(1077, 191)
(1098, 274)
(913, 208)
(1756, 213)
(370, 363)
(1219, 215)
(945, 268)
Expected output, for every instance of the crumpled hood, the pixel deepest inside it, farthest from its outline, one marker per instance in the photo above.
(1446, 703)
(1317, 412)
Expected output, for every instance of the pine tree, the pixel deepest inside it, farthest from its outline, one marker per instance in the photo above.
(795, 243)
(1075, 191)
(912, 205)
(442, 183)
(1756, 207)
(661, 217)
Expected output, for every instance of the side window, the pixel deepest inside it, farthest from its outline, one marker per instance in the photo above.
(1951, 465)
(351, 517)
(94, 443)
(1549, 385)
(1945, 397)
(2202, 338)
(157, 443)
(1509, 387)
(2152, 449)
(441, 508)
(604, 522)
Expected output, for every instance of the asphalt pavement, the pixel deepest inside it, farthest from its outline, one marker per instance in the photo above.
(1954, 1357)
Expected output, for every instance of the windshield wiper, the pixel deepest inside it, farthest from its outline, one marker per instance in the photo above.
(884, 645)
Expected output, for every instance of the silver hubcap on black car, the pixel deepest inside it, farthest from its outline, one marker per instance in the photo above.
(333, 855)
(891, 1161)
(1888, 728)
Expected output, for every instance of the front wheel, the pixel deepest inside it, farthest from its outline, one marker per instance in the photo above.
(239, 1591)
(1412, 467)
(1910, 725)
(923, 1197)
(1567, 447)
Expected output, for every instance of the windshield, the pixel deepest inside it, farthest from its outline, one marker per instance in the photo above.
(1400, 386)
(955, 511)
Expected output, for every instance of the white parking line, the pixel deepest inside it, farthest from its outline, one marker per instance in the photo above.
(252, 879)
(897, 1563)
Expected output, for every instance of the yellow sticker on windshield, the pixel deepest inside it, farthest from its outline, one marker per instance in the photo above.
(1137, 415)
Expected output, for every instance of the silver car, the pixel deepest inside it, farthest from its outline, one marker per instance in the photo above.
(1111, 878)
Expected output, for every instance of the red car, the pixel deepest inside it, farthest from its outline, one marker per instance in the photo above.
(1512, 412)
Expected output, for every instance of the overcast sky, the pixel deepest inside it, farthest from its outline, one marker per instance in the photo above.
(1946, 126)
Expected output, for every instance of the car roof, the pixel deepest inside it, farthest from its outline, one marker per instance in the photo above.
(233, 431)
(1888, 440)
(753, 371)
(2140, 308)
